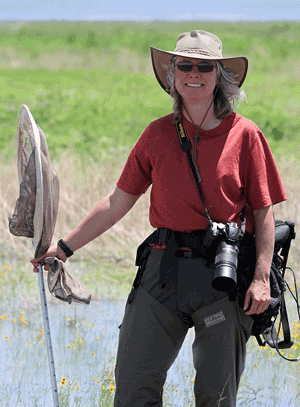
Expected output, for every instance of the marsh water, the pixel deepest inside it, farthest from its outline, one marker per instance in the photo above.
(84, 339)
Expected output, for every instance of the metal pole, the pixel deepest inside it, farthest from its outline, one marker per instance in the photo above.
(48, 338)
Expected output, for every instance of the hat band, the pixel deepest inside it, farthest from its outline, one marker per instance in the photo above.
(198, 51)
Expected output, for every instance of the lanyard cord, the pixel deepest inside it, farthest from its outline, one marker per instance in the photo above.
(197, 136)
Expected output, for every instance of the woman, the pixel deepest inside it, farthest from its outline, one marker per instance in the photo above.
(173, 288)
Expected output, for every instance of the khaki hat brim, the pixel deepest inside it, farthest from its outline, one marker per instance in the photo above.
(161, 60)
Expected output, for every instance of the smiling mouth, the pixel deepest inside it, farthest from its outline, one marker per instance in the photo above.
(194, 85)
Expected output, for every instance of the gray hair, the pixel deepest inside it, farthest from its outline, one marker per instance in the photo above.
(227, 91)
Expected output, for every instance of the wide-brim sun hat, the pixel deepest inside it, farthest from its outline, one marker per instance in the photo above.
(197, 44)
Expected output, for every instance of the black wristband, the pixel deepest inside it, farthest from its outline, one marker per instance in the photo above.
(68, 252)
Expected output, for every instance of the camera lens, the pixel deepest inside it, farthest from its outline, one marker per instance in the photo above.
(226, 261)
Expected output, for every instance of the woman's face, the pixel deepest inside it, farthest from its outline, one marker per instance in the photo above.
(195, 87)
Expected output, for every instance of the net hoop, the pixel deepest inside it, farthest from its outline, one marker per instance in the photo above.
(26, 123)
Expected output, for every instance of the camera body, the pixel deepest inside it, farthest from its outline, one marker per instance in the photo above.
(229, 237)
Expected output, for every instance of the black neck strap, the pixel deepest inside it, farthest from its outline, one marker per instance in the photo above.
(186, 146)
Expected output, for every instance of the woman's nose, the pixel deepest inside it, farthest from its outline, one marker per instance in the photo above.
(195, 70)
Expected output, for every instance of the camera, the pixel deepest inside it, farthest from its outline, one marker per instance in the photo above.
(226, 259)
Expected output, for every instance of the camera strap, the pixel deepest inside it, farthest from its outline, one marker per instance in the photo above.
(186, 146)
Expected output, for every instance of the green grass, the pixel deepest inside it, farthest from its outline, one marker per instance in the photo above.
(92, 112)
(91, 88)
(97, 109)
(90, 85)
(279, 40)
(96, 113)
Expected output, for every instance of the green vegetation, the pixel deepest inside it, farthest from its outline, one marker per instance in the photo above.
(90, 85)
(91, 88)
(94, 112)
(267, 43)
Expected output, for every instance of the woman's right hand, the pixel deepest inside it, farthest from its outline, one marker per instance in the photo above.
(53, 251)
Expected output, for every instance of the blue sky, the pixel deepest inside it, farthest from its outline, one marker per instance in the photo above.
(144, 10)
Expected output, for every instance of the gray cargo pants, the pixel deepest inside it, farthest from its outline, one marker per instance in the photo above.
(155, 324)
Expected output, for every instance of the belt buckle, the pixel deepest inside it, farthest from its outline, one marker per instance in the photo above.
(187, 254)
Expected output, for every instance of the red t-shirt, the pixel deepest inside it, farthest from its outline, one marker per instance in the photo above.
(235, 163)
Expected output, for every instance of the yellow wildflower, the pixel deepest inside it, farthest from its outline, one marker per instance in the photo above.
(112, 388)
(63, 381)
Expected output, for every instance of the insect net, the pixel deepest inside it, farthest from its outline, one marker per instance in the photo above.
(36, 208)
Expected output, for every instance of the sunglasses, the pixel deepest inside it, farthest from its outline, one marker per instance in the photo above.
(203, 67)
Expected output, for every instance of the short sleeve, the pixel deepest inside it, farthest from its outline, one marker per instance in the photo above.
(264, 186)
(136, 178)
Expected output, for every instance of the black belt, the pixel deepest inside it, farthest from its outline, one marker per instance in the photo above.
(174, 240)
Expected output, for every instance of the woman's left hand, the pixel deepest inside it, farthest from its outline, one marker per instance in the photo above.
(257, 297)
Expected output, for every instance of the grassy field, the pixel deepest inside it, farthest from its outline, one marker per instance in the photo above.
(91, 88)
(93, 111)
